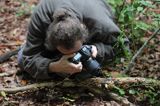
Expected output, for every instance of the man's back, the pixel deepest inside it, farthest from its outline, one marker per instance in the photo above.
(95, 14)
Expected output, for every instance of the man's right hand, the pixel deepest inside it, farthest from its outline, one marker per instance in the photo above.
(64, 66)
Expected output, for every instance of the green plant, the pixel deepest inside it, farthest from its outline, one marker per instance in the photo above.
(132, 18)
(24, 10)
(119, 90)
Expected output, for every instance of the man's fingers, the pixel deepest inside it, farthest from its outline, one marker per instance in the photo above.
(76, 67)
(94, 54)
(80, 66)
(94, 51)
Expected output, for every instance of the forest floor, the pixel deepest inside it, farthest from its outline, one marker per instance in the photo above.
(14, 18)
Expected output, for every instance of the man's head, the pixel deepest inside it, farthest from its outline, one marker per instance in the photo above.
(66, 33)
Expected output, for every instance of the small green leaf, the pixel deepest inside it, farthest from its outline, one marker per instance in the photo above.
(120, 91)
(3, 94)
(147, 4)
(139, 8)
(142, 25)
(132, 91)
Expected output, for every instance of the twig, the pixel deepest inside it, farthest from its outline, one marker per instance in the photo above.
(10, 45)
(35, 86)
(7, 55)
(5, 74)
(121, 100)
(131, 64)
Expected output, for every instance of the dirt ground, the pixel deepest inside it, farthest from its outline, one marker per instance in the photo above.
(14, 18)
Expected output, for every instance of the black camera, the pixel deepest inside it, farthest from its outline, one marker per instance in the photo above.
(84, 55)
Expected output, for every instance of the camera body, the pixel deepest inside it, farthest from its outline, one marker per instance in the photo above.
(84, 55)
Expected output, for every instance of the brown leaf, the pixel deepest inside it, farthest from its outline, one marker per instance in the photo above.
(24, 82)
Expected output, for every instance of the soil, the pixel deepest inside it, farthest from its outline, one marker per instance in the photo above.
(14, 19)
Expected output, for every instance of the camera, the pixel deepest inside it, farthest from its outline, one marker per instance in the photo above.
(84, 55)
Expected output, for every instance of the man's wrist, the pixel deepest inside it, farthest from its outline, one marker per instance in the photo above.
(94, 51)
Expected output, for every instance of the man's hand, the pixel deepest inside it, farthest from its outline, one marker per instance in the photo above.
(64, 66)
(94, 51)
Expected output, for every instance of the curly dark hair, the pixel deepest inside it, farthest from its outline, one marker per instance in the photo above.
(65, 30)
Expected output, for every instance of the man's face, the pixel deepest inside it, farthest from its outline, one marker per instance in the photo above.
(76, 48)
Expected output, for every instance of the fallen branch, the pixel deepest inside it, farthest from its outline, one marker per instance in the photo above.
(123, 101)
(5, 74)
(92, 83)
(33, 87)
(98, 86)
(131, 64)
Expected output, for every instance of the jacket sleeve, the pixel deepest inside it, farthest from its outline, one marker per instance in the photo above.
(33, 61)
(103, 34)
(103, 31)
(104, 41)
(106, 52)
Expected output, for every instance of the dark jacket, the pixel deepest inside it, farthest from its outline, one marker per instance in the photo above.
(95, 14)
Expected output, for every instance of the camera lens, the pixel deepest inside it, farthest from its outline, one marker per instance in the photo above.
(92, 66)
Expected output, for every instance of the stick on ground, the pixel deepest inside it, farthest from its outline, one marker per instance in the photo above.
(7, 55)
(131, 64)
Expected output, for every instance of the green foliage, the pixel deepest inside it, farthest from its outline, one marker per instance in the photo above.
(135, 18)
(150, 95)
(132, 91)
(4, 95)
(132, 18)
(115, 4)
(120, 91)
(147, 93)
(25, 10)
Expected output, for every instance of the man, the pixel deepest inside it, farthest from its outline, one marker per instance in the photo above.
(59, 28)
